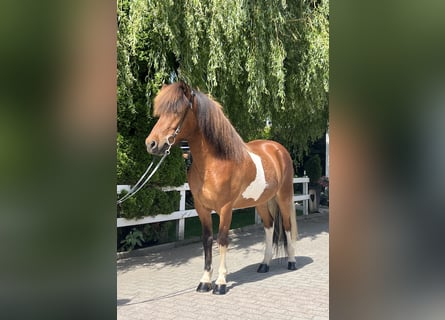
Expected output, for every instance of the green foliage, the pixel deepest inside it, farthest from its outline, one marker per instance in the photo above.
(157, 232)
(145, 235)
(133, 238)
(262, 60)
(313, 169)
(305, 115)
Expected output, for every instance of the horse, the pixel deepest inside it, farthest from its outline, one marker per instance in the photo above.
(226, 173)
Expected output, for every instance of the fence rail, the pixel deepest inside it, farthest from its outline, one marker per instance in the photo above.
(183, 214)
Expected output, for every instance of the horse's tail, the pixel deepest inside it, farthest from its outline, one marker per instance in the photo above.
(278, 234)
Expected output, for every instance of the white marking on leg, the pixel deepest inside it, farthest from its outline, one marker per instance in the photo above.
(207, 276)
(290, 247)
(257, 186)
(222, 266)
(268, 241)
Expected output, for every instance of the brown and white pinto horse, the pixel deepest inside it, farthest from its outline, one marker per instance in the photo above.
(226, 173)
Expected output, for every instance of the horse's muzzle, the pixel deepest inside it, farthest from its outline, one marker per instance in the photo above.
(154, 148)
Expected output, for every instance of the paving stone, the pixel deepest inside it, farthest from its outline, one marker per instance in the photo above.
(162, 284)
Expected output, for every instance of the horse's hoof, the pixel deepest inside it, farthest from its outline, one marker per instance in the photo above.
(220, 289)
(292, 266)
(263, 268)
(204, 287)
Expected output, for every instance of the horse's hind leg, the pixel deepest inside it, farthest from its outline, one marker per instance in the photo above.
(292, 262)
(287, 208)
(263, 211)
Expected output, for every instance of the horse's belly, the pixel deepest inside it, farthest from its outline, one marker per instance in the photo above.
(242, 202)
(214, 198)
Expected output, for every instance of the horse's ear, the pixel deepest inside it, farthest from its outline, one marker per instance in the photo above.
(163, 86)
(185, 88)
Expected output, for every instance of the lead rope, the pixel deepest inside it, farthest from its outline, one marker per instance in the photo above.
(139, 185)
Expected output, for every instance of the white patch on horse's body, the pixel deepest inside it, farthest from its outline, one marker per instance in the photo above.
(257, 186)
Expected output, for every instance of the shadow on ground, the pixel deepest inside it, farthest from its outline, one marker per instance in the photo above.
(241, 277)
(278, 266)
(244, 239)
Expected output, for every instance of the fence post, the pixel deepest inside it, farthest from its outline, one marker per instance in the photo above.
(305, 202)
(180, 225)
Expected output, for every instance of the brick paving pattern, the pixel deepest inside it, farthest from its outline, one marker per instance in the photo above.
(161, 284)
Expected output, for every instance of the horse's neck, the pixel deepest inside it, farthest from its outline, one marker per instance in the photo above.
(203, 154)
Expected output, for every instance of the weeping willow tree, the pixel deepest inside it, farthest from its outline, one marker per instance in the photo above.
(263, 60)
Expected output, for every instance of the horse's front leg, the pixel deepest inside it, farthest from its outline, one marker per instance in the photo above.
(223, 241)
(205, 284)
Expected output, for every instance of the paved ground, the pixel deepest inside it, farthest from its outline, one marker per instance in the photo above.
(161, 284)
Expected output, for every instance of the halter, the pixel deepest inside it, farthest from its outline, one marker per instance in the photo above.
(170, 141)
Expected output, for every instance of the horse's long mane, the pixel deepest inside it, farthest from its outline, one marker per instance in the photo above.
(214, 125)
(217, 129)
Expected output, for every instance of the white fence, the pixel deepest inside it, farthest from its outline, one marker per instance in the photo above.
(183, 214)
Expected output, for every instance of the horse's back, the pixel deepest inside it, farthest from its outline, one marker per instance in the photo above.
(267, 145)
